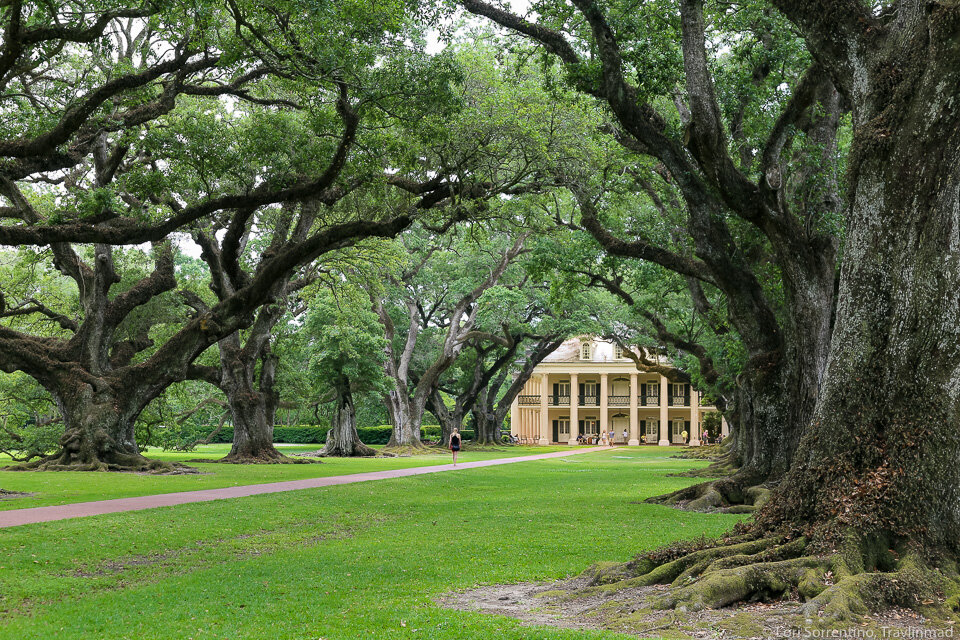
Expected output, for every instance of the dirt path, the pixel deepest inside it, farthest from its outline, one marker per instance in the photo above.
(33, 515)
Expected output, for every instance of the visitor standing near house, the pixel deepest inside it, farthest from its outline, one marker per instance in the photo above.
(624, 435)
(455, 441)
(684, 436)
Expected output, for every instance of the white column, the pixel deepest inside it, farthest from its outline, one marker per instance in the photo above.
(604, 410)
(515, 415)
(634, 419)
(664, 403)
(694, 417)
(574, 409)
(544, 413)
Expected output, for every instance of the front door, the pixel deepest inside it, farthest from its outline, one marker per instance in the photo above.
(651, 431)
(590, 427)
(621, 424)
(678, 427)
(563, 425)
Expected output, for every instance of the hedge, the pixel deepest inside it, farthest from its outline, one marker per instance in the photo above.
(309, 434)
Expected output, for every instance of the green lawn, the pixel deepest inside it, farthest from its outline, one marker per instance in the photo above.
(67, 487)
(353, 561)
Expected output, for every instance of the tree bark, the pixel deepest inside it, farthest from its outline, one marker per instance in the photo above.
(99, 417)
(342, 439)
(406, 417)
(867, 515)
(486, 427)
(879, 459)
(252, 403)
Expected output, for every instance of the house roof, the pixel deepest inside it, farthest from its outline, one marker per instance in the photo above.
(603, 351)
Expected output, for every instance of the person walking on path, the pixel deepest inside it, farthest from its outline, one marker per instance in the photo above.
(455, 441)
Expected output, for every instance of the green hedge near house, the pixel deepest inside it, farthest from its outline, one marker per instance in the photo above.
(310, 434)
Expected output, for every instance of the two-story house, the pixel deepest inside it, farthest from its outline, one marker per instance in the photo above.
(589, 386)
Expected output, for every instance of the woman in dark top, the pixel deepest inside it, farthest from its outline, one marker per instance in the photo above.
(455, 443)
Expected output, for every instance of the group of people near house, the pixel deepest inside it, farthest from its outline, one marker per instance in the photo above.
(602, 438)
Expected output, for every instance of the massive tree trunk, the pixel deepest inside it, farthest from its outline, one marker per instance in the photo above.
(868, 515)
(252, 402)
(342, 439)
(99, 417)
(406, 417)
(486, 426)
(880, 459)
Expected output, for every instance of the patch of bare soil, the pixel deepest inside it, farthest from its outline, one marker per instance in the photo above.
(570, 604)
(10, 495)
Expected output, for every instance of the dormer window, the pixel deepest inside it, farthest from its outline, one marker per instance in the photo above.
(586, 351)
(618, 352)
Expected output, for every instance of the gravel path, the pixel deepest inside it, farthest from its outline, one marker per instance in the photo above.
(17, 517)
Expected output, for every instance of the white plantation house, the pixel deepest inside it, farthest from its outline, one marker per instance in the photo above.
(588, 386)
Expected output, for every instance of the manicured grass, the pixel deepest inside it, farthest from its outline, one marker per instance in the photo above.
(353, 561)
(68, 487)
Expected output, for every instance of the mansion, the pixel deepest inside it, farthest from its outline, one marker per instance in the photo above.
(588, 387)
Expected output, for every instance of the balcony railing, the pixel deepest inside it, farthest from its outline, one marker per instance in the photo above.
(559, 401)
(649, 400)
(589, 401)
(679, 401)
(529, 400)
(618, 401)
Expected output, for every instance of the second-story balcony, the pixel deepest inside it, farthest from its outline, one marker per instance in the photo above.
(528, 400)
(618, 401)
(650, 400)
(589, 401)
(679, 401)
(558, 401)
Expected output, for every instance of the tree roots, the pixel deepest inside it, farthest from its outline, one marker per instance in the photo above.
(265, 456)
(725, 495)
(832, 588)
(357, 450)
(117, 461)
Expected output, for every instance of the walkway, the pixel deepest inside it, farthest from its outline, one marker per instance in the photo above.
(33, 515)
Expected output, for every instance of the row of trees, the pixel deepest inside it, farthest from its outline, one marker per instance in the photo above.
(214, 187)
(737, 120)
(765, 191)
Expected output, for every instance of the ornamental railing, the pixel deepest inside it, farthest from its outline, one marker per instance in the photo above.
(650, 400)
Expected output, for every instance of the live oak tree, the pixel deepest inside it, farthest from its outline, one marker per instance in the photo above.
(733, 195)
(348, 349)
(427, 314)
(519, 324)
(106, 168)
(866, 516)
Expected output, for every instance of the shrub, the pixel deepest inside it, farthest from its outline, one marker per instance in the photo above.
(301, 434)
(181, 438)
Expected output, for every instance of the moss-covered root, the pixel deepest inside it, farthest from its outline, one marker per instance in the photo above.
(117, 462)
(725, 495)
(664, 567)
(911, 584)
